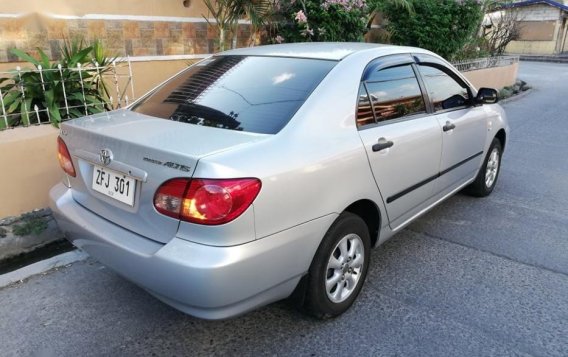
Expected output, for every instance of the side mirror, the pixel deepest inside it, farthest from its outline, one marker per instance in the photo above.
(487, 96)
(454, 101)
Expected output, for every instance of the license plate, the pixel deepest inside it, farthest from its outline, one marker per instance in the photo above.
(114, 184)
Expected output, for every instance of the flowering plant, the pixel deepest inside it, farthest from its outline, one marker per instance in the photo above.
(317, 20)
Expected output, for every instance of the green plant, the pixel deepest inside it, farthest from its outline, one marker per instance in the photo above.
(442, 26)
(70, 88)
(475, 48)
(316, 20)
(30, 226)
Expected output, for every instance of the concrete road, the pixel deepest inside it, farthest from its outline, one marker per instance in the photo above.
(474, 277)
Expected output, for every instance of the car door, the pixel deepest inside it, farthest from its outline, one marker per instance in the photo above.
(403, 142)
(463, 125)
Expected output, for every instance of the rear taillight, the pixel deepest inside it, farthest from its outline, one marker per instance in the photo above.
(64, 158)
(206, 201)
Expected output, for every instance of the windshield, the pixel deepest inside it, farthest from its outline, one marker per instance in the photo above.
(247, 93)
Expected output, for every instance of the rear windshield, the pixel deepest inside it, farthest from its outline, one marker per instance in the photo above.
(247, 93)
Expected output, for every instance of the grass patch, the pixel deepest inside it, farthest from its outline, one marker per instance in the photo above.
(30, 226)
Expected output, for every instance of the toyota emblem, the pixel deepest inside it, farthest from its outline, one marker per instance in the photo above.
(105, 156)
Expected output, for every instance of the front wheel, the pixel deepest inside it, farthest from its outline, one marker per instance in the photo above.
(487, 177)
(339, 267)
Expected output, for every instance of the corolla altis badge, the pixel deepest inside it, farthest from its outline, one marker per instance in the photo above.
(105, 156)
(171, 165)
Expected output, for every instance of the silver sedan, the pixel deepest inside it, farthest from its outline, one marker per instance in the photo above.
(266, 172)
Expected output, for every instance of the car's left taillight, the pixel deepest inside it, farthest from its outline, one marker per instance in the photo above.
(64, 158)
(206, 201)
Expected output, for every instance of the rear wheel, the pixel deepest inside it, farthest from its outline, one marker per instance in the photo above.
(339, 268)
(487, 177)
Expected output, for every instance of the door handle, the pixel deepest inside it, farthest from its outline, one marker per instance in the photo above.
(449, 126)
(382, 144)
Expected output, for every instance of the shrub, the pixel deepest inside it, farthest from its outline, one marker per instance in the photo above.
(442, 26)
(58, 90)
(316, 20)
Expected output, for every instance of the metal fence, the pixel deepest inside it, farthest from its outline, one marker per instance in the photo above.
(488, 62)
(34, 96)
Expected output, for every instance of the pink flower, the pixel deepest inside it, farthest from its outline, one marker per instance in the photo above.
(279, 39)
(307, 32)
(346, 5)
(301, 17)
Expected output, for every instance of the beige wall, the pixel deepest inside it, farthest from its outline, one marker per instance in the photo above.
(497, 77)
(532, 47)
(149, 74)
(28, 160)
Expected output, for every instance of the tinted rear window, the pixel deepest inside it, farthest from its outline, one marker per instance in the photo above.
(254, 94)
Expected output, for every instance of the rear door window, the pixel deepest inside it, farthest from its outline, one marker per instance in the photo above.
(246, 93)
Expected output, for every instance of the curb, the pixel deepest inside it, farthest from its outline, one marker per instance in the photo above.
(42, 267)
(516, 97)
(548, 59)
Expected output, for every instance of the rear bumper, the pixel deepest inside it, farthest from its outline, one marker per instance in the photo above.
(209, 282)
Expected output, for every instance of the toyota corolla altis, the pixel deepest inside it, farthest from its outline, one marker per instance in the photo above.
(262, 172)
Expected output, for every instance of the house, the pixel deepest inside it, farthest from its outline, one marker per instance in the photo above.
(543, 27)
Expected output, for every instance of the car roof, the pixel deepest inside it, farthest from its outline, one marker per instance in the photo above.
(334, 51)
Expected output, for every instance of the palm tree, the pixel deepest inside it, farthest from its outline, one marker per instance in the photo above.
(257, 11)
(227, 14)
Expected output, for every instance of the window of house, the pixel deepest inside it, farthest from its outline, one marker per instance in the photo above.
(444, 91)
(393, 92)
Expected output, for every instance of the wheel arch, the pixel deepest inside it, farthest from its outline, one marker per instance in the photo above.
(370, 213)
(502, 136)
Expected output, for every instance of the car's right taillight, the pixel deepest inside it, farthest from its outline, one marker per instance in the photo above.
(206, 201)
(64, 158)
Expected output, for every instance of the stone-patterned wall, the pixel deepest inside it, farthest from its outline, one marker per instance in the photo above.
(120, 37)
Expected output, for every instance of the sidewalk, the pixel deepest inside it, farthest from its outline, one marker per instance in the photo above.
(561, 58)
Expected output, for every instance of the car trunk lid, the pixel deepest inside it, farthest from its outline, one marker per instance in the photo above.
(146, 149)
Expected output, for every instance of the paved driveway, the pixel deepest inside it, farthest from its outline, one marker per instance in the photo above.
(473, 277)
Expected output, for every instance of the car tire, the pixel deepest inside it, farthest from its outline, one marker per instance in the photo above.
(339, 267)
(488, 173)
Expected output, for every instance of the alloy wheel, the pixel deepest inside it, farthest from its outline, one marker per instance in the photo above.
(492, 168)
(344, 268)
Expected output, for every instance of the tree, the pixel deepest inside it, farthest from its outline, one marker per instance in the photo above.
(500, 28)
(317, 20)
(258, 12)
(442, 26)
(227, 14)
